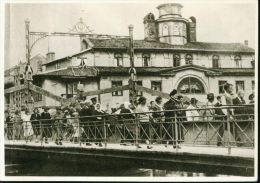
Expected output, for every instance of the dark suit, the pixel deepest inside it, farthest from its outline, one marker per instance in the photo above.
(239, 111)
(169, 125)
(84, 122)
(46, 124)
(35, 123)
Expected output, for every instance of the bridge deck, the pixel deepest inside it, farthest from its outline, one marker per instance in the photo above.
(204, 150)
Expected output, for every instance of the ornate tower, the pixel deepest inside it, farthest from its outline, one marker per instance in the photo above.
(172, 28)
(150, 30)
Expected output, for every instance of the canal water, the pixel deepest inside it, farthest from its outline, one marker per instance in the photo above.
(37, 168)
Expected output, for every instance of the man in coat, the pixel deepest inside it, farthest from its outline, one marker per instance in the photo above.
(35, 117)
(171, 104)
(46, 124)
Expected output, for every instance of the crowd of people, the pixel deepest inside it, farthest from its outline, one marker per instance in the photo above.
(69, 121)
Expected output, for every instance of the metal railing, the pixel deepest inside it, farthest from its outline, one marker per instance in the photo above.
(175, 127)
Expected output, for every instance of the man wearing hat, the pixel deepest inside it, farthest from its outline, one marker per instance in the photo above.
(46, 124)
(92, 106)
(35, 117)
(171, 104)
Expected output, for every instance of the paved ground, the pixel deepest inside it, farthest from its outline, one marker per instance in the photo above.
(235, 151)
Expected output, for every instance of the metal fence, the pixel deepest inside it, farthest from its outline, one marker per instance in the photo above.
(203, 126)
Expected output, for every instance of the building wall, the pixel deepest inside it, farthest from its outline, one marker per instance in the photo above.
(169, 83)
(56, 87)
(101, 58)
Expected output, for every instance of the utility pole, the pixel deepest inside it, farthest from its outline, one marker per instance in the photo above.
(132, 71)
(28, 68)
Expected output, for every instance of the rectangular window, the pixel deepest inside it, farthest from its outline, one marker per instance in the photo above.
(116, 84)
(156, 85)
(75, 88)
(215, 63)
(69, 90)
(58, 65)
(176, 60)
(119, 59)
(146, 60)
(37, 97)
(253, 85)
(139, 93)
(240, 85)
(221, 86)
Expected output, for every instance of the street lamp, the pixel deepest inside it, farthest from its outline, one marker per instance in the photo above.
(28, 68)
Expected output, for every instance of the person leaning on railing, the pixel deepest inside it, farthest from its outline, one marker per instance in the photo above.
(209, 113)
(9, 124)
(57, 126)
(227, 100)
(144, 119)
(17, 126)
(171, 104)
(35, 117)
(27, 126)
(127, 118)
(251, 110)
(46, 124)
(240, 113)
(98, 123)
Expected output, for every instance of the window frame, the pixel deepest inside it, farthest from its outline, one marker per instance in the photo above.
(188, 59)
(148, 56)
(238, 61)
(203, 89)
(215, 61)
(157, 82)
(253, 85)
(243, 84)
(119, 83)
(57, 65)
(221, 86)
(118, 57)
(176, 63)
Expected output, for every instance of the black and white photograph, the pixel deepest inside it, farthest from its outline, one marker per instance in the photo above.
(129, 90)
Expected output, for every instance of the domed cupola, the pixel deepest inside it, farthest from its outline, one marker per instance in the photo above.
(172, 27)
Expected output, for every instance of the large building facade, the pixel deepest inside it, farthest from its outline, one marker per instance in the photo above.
(169, 57)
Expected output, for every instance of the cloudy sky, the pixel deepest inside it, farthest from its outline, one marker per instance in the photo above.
(217, 21)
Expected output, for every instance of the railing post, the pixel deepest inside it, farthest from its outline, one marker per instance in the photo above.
(136, 130)
(79, 130)
(14, 131)
(228, 129)
(176, 131)
(41, 131)
(26, 129)
(105, 132)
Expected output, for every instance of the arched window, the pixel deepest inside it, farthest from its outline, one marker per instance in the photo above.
(238, 59)
(191, 85)
(165, 30)
(188, 59)
(84, 45)
(215, 61)
(176, 60)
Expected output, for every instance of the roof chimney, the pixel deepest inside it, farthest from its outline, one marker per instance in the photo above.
(246, 42)
(50, 56)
